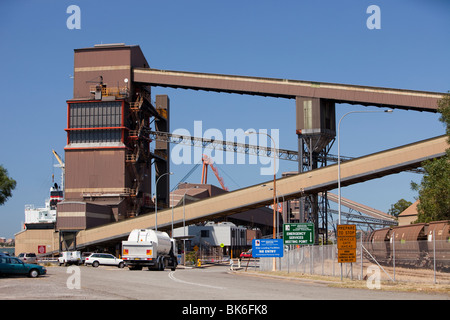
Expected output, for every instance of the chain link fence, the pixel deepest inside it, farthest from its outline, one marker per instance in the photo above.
(415, 261)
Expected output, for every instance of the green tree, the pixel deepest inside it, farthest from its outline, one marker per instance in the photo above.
(7, 185)
(434, 189)
(398, 207)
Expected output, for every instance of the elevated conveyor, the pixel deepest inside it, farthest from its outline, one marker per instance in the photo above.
(358, 170)
(283, 88)
(360, 207)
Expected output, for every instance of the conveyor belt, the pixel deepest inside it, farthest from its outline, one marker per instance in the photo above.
(360, 207)
(323, 179)
(283, 88)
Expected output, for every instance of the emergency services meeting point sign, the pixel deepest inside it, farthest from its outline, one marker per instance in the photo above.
(298, 233)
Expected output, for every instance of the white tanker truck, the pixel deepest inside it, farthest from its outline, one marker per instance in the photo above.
(149, 248)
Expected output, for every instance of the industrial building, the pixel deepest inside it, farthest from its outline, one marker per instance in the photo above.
(110, 153)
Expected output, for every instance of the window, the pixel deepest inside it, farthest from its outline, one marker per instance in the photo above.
(204, 233)
(96, 114)
(307, 114)
(105, 114)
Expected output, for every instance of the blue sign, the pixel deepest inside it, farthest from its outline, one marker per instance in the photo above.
(262, 248)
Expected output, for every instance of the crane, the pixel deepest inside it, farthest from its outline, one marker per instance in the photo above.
(60, 165)
(208, 162)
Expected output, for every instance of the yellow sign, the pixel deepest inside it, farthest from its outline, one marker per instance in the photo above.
(346, 243)
(346, 230)
(345, 256)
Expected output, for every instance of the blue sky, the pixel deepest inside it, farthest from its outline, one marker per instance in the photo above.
(324, 41)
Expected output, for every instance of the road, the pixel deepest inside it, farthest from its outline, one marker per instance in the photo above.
(214, 283)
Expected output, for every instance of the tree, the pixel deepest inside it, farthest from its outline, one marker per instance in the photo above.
(7, 185)
(398, 207)
(434, 189)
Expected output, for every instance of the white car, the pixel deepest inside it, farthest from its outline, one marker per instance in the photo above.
(106, 259)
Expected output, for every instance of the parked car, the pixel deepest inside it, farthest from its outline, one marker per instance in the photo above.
(28, 257)
(106, 259)
(11, 265)
(84, 255)
(69, 257)
(247, 254)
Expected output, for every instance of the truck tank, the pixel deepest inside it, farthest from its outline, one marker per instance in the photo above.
(161, 239)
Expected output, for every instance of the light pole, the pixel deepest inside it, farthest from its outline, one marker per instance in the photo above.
(156, 199)
(274, 182)
(278, 222)
(339, 154)
(172, 208)
(278, 214)
(184, 223)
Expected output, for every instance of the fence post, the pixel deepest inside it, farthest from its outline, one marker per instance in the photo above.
(393, 252)
(434, 255)
(322, 258)
(333, 253)
(361, 255)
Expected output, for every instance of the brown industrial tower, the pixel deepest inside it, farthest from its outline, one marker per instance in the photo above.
(108, 155)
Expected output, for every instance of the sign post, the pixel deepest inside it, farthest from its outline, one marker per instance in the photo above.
(346, 244)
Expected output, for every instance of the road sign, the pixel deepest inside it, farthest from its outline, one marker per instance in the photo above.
(298, 233)
(42, 249)
(346, 230)
(346, 256)
(262, 248)
(346, 243)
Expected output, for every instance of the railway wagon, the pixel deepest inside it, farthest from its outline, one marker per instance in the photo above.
(440, 230)
(379, 245)
(413, 245)
(409, 245)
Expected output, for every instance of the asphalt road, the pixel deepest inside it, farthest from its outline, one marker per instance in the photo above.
(214, 283)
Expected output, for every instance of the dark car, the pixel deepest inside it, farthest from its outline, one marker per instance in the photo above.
(11, 265)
